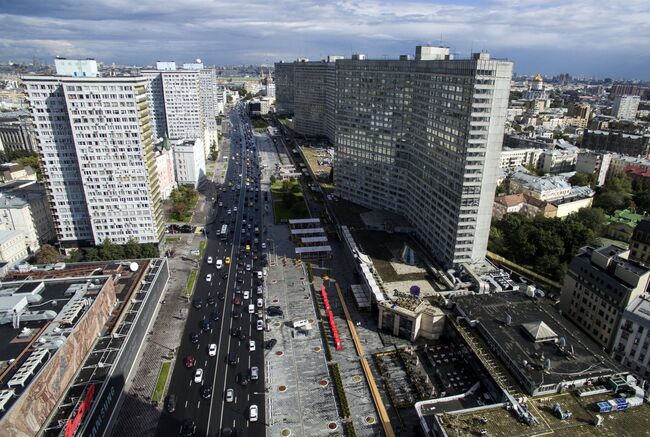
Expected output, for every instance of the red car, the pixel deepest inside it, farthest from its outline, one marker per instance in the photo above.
(190, 361)
(237, 300)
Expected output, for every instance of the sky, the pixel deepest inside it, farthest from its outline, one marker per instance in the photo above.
(581, 37)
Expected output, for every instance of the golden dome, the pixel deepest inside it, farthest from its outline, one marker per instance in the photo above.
(538, 78)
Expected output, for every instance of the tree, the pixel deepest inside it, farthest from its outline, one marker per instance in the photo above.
(583, 180)
(109, 250)
(610, 200)
(272, 179)
(150, 250)
(642, 201)
(132, 249)
(591, 218)
(47, 254)
(91, 254)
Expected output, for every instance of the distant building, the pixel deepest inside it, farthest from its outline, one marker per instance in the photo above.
(189, 162)
(540, 187)
(165, 168)
(522, 204)
(626, 89)
(620, 226)
(617, 141)
(13, 246)
(536, 90)
(17, 132)
(513, 158)
(632, 342)
(285, 90)
(619, 163)
(259, 107)
(270, 90)
(557, 160)
(598, 286)
(640, 243)
(625, 107)
(594, 163)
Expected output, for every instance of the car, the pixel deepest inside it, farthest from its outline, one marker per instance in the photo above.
(274, 312)
(198, 376)
(229, 211)
(260, 290)
(251, 308)
(221, 295)
(234, 209)
(251, 345)
(227, 260)
(209, 260)
(255, 373)
(232, 358)
(224, 275)
(214, 316)
(208, 277)
(242, 379)
(237, 300)
(248, 267)
(197, 303)
(230, 395)
(246, 294)
(171, 403)
(194, 337)
(252, 413)
(211, 300)
(248, 247)
(219, 264)
(188, 428)
(260, 302)
(205, 325)
(236, 314)
(229, 432)
(190, 361)
(260, 274)
(206, 393)
(212, 349)
(269, 344)
(259, 325)
(236, 332)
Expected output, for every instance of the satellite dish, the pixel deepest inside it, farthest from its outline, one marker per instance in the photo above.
(133, 267)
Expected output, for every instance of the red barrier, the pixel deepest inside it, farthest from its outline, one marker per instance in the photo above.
(73, 424)
(330, 316)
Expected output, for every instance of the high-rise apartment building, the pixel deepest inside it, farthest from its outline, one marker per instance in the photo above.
(156, 99)
(96, 148)
(423, 138)
(625, 107)
(284, 88)
(183, 109)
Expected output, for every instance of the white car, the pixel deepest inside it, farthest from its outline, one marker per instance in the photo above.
(234, 209)
(251, 308)
(252, 413)
(255, 373)
(212, 350)
(229, 211)
(263, 245)
(208, 277)
(246, 294)
(260, 303)
(209, 260)
(198, 376)
(260, 325)
(260, 290)
(230, 395)
(219, 264)
(248, 267)
(259, 274)
(251, 345)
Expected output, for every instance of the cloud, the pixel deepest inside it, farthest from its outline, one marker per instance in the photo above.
(536, 34)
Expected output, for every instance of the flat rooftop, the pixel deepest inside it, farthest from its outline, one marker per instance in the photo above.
(533, 335)
(500, 422)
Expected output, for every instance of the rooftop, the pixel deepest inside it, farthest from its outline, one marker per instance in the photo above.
(523, 329)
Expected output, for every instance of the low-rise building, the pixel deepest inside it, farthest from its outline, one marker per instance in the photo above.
(513, 158)
(11, 171)
(620, 225)
(640, 174)
(539, 187)
(632, 343)
(25, 207)
(523, 204)
(259, 107)
(620, 142)
(189, 162)
(598, 286)
(594, 163)
(17, 132)
(13, 247)
(558, 160)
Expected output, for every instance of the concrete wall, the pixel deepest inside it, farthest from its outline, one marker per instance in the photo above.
(28, 414)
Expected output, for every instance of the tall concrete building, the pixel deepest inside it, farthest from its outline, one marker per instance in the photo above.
(183, 109)
(96, 148)
(423, 138)
(284, 88)
(156, 99)
(625, 107)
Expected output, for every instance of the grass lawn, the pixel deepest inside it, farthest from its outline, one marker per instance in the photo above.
(282, 212)
(172, 239)
(202, 244)
(159, 391)
(190, 282)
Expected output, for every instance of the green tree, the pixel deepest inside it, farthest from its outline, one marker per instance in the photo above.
(132, 249)
(642, 201)
(75, 256)
(109, 250)
(47, 254)
(285, 186)
(91, 254)
(591, 218)
(610, 200)
(583, 180)
(621, 183)
(150, 250)
(272, 179)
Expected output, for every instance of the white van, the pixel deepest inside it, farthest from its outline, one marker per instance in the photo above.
(260, 275)
(219, 263)
(300, 323)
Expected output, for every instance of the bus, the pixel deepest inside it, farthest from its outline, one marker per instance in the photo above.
(224, 232)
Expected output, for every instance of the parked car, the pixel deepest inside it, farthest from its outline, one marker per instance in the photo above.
(171, 403)
(270, 343)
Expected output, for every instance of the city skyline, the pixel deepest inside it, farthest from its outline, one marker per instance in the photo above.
(607, 41)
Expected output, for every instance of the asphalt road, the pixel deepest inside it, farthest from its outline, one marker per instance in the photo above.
(213, 415)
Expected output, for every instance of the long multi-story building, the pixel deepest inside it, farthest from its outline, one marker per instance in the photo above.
(625, 107)
(17, 132)
(632, 342)
(284, 88)
(96, 148)
(423, 138)
(617, 141)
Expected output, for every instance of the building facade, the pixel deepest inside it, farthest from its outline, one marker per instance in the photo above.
(598, 286)
(189, 162)
(33, 195)
(13, 246)
(284, 89)
(620, 142)
(165, 168)
(625, 107)
(594, 163)
(632, 343)
(513, 158)
(183, 109)
(640, 243)
(17, 132)
(96, 149)
(423, 138)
